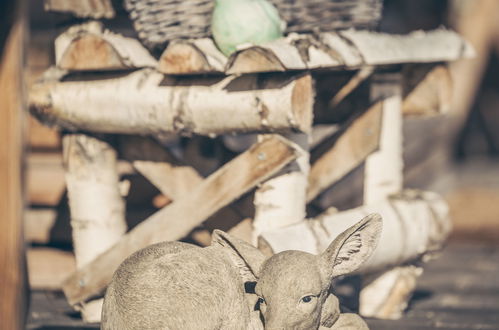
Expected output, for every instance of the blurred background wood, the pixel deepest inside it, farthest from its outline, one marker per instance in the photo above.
(13, 281)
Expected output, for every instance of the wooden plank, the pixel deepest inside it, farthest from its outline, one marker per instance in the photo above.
(90, 47)
(177, 219)
(351, 148)
(82, 8)
(13, 281)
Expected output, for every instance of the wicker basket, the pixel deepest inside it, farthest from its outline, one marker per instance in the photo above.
(157, 21)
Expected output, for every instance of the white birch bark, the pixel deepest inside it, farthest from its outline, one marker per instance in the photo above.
(147, 102)
(281, 201)
(384, 177)
(96, 206)
(415, 224)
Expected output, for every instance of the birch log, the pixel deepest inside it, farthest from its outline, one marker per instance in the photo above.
(146, 102)
(176, 220)
(384, 177)
(281, 200)
(415, 224)
(90, 47)
(97, 209)
(349, 50)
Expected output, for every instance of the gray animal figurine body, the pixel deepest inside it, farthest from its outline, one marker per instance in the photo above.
(174, 285)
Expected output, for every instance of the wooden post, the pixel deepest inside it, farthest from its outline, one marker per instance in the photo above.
(383, 170)
(383, 178)
(13, 280)
(96, 206)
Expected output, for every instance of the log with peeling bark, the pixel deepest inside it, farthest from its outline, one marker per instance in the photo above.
(415, 223)
(82, 8)
(90, 47)
(343, 50)
(383, 175)
(14, 287)
(95, 48)
(97, 209)
(147, 102)
(176, 220)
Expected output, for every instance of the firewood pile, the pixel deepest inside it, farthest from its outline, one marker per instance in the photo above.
(299, 113)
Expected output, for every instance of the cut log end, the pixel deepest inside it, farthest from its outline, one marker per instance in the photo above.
(183, 58)
(254, 59)
(91, 52)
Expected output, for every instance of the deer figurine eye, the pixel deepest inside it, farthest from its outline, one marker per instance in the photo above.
(307, 299)
(261, 300)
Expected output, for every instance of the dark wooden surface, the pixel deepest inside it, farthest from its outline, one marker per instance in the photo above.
(13, 287)
(460, 290)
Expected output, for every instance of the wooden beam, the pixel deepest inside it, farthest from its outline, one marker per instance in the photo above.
(82, 8)
(13, 278)
(384, 168)
(90, 47)
(177, 219)
(147, 102)
(351, 148)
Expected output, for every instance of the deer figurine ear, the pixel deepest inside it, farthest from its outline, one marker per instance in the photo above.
(352, 247)
(247, 258)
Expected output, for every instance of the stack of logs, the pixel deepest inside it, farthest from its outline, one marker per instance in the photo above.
(116, 101)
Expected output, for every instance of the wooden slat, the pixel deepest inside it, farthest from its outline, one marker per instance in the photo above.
(13, 280)
(358, 141)
(179, 218)
(345, 50)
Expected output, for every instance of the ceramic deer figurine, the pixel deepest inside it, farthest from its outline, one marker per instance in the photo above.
(232, 285)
